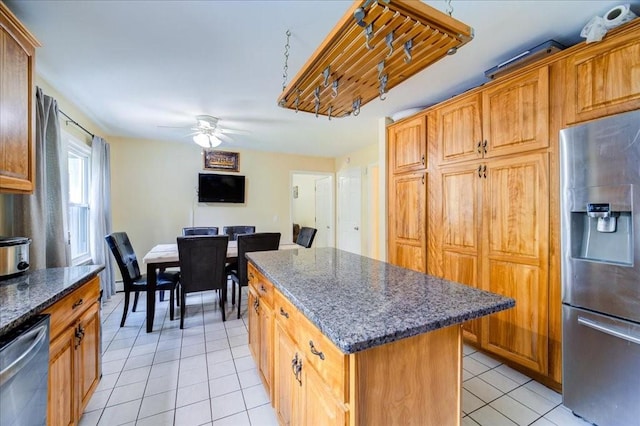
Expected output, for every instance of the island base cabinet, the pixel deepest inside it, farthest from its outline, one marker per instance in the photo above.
(413, 381)
(60, 404)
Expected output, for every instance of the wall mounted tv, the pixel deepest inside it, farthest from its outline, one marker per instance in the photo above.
(214, 188)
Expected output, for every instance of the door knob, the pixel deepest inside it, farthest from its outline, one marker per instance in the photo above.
(356, 228)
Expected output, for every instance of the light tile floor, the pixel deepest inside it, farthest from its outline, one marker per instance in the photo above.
(204, 375)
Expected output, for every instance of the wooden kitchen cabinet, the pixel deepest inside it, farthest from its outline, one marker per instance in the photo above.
(515, 116)
(310, 373)
(74, 353)
(17, 91)
(261, 323)
(603, 79)
(515, 257)
(459, 129)
(407, 220)
(408, 145)
(457, 224)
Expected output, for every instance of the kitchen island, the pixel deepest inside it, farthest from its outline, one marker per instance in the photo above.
(344, 339)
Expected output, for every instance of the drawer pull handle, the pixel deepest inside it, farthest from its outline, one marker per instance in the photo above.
(284, 313)
(77, 303)
(315, 351)
(262, 289)
(250, 276)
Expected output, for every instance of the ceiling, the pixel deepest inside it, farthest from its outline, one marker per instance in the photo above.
(134, 66)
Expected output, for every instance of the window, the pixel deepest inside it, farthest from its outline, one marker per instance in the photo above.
(79, 163)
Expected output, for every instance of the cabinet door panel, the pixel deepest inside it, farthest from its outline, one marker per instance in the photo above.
(254, 325)
(407, 242)
(461, 224)
(408, 145)
(516, 259)
(266, 345)
(286, 387)
(460, 130)
(319, 406)
(604, 79)
(88, 353)
(516, 114)
(61, 399)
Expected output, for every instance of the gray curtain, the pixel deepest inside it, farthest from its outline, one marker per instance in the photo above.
(100, 222)
(42, 216)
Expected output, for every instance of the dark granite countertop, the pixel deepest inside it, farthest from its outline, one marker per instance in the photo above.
(359, 303)
(26, 295)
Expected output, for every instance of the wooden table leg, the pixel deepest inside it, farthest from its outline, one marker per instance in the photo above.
(151, 295)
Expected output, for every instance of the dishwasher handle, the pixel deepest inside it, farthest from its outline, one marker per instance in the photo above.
(39, 336)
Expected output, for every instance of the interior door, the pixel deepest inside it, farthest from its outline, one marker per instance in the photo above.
(349, 210)
(324, 213)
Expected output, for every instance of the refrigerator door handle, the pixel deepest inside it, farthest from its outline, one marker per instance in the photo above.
(608, 330)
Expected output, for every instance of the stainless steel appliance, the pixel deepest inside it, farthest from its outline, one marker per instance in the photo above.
(600, 223)
(14, 255)
(24, 373)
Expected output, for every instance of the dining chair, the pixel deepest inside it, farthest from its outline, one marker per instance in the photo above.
(132, 279)
(234, 231)
(262, 241)
(202, 267)
(306, 236)
(200, 230)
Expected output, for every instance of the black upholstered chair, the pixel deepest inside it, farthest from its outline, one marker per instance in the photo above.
(200, 230)
(132, 279)
(306, 236)
(202, 267)
(234, 231)
(261, 241)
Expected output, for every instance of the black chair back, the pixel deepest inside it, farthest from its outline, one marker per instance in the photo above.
(234, 231)
(125, 256)
(202, 260)
(262, 241)
(306, 236)
(200, 230)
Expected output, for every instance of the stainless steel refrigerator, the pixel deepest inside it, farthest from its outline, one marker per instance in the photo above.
(600, 223)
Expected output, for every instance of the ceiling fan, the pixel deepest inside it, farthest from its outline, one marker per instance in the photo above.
(208, 133)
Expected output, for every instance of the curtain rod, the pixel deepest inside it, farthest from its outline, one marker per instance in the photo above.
(71, 120)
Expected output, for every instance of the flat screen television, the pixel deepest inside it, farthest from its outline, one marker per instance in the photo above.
(214, 188)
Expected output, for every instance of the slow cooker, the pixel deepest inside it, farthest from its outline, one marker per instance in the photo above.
(14, 255)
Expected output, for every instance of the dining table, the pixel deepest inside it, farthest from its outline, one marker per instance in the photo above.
(164, 256)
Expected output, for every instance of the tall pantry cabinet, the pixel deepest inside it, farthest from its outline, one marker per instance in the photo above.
(408, 193)
(492, 170)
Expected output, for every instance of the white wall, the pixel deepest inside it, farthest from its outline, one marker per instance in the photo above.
(154, 190)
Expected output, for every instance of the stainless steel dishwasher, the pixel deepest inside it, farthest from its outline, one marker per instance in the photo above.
(24, 368)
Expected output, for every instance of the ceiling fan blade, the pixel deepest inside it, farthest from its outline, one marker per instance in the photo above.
(233, 131)
(224, 137)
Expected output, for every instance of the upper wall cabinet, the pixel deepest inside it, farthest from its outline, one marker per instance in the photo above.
(516, 114)
(17, 119)
(460, 129)
(408, 145)
(603, 79)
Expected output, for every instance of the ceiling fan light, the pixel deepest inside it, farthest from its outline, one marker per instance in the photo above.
(214, 141)
(202, 140)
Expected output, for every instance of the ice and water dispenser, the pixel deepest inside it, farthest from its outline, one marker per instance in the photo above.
(601, 227)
